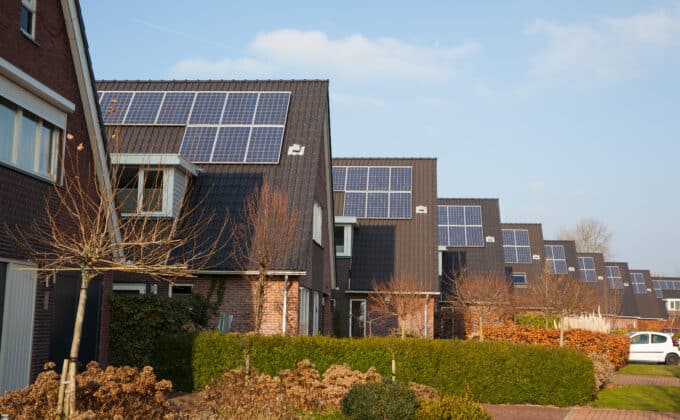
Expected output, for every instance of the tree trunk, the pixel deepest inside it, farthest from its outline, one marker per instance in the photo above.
(68, 398)
(259, 299)
(562, 332)
(481, 327)
(403, 329)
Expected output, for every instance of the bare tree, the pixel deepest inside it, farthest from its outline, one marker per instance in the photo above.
(559, 295)
(590, 235)
(262, 240)
(614, 300)
(77, 235)
(399, 297)
(490, 294)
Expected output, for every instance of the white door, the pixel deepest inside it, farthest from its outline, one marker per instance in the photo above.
(17, 327)
(639, 348)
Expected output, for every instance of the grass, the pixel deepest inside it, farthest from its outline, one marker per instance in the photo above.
(655, 370)
(640, 397)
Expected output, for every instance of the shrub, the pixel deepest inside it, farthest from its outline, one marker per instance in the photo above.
(535, 320)
(138, 322)
(603, 369)
(614, 346)
(450, 408)
(496, 372)
(380, 400)
(124, 391)
(303, 386)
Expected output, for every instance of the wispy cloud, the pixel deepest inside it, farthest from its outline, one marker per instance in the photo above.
(295, 53)
(609, 50)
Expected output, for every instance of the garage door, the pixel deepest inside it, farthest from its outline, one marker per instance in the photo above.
(18, 306)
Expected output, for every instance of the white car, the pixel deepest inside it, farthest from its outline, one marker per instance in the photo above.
(651, 346)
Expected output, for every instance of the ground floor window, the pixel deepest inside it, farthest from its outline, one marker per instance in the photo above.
(317, 313)
(357, 317)
(178, 290)
(129, 288)
(304, 311)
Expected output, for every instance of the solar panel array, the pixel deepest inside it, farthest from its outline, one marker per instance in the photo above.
(556, 259)
(614, 277)
(516, 246)
(460, 226)
(221, 127)
(637, 280)
(663, 284)
(375, 192)
(586, 269)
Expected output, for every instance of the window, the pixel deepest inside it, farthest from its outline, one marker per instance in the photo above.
(178, 290)
(460, 226)
(519, 279)
(357, 317)
(28, 142)
(304, 311)
(586, 269)
(659, 339)
(673, 304)
(317, 223)
(640, 339)
(556, 259)
(28, 17)
(516, 246)
(129, 288)
(141, 191)
(316, 314)
(343, 241)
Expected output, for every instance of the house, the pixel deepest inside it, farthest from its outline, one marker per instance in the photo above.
(560, 257)
(48, 115)
(210, 144)
(667, 290)
(591, 270)
(523, 252)
(648, 307)
(386, 229)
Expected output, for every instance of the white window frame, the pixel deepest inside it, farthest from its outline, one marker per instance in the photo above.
(673, 304)
(180, 284)
(347, 238)
(317, 224)
(56, 144)
(364, 315)
(139, 287)
(166, 199)
(303, 311)
(32, 7)
(316, 312)
(519, 284)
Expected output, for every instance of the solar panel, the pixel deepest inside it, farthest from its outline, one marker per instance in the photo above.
(400, 178)
(464, 223)
(555, 258)
(339, 174)
(516, 246)
(231, 144)
(379, 179)
(114, 105)
(272, 108)
(357, 178)
(240, 108)
(355, 204)
(175, 108)
(377, 205)
(637, 280)
(208, 108)
(586, 269)
(198, 143)
(265, 145)
(474, 236)
(443, 236)
(443, 215)
(614, 277)
(144, 108)
(509, 254)
(400, 205)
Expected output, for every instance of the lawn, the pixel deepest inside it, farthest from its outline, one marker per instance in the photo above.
(655, 370)
(640, 397)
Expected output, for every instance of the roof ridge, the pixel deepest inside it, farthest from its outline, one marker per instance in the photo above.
(208, 80)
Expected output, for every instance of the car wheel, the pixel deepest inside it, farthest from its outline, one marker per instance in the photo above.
(672, 359)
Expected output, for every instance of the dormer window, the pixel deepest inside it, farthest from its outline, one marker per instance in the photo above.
(28, 17)
(142, 191)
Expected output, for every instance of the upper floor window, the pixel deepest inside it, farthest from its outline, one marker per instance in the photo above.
(28, 17)
(556, 259)
(673, 304)
(28, 142)
(317, 224)
(343, 241)
(141, 191)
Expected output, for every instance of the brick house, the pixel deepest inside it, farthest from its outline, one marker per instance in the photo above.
(667, 290)
(385, 221)
(213, 143)
(46, 93)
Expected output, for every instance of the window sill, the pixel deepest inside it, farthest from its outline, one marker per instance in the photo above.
(38, 176)
(342, 256)
(29, 37)
(150, 215)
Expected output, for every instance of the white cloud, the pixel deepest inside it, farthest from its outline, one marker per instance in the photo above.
(609, 50)
(312, 54)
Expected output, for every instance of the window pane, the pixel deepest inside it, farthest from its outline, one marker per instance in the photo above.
(658, 339)
(340, 240)
(6, 132)
(26, 20)
(519, 279)
(26, 153)
(153, 191)
(45, 150)
(126, 193)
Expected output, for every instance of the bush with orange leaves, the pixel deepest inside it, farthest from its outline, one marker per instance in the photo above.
(115, 392)
(614, 346)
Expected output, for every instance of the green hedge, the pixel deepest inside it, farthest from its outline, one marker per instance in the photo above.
(138, 321)
(495, 372)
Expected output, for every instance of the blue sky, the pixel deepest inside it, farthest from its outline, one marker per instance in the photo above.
(562, 110)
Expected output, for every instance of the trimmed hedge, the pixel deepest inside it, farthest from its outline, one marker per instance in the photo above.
(495, 372)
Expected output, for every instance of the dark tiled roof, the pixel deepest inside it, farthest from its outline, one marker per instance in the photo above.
(224, 187)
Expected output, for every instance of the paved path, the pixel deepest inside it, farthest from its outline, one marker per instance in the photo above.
(537, 412)
(645, 380)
